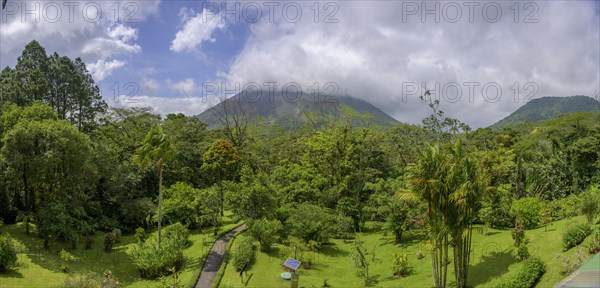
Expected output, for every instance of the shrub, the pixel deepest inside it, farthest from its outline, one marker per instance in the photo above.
(178, 234)
(91, 281)
(243, 254)
(117, 234)
(522, 251)
(140, 234)
(151, 261)
(8, 253)
(265, 231)
(594, 245)
(420, 255)
(109, 240)
(527, 211)
(311, 222)
(400, 264)
(518, 235)
(574, 235)
(89, 241)
(66, 256)
(570, 264)
(590, 204)
(532, 270)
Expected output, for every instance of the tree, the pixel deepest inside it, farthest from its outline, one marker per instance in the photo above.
(221, 162)
(427, 180)
(179, 204)
(527, 212)
(156, 150)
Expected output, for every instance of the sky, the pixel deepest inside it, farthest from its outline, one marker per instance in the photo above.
(482, 59)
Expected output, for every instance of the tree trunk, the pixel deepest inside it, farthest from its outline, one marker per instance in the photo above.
(159, 202)
(221, 198)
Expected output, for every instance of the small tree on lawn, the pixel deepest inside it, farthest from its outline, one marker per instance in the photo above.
(156, 149)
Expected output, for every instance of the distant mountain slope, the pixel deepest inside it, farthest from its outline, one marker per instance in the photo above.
(289, 110)
(548, 108)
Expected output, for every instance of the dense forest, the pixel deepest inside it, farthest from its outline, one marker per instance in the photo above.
(72, 166)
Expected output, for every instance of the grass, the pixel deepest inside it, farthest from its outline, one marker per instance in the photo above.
(41, 268)
(493, 260)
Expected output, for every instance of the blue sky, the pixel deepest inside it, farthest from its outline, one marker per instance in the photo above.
(481, 63)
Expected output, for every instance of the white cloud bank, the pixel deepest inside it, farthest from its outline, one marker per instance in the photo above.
(196, 29)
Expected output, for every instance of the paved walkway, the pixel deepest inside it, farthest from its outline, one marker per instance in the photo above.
(215, 258)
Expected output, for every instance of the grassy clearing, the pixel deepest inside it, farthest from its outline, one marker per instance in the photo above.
(41, 268)
(493, 260)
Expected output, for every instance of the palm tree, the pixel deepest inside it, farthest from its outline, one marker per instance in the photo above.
(466, 184)
(427, 179)
(156, 149)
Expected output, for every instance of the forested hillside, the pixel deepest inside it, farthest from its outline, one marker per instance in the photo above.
(546, 108)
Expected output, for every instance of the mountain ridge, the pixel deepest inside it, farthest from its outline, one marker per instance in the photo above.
(548, 107)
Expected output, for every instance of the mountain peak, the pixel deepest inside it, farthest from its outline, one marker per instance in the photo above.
(548, 107)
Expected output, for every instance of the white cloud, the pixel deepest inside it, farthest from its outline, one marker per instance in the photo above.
(150, 85)
(75, 33)
(185, 87)
(166, 105)
(371, 52)
(102, 69)
(196, 30)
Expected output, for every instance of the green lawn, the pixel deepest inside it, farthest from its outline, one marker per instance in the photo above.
(41, 268)
(493, 261)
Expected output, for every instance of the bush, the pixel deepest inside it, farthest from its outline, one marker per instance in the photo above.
(243, 254)
(8, 253)
(574, 235)
(400, 264)
(178, 234)
(570, 264)
(518, 235)
(66, 256)
(265, 231)
(594, 245)
(527, 211)
(420, 255)
(109, 240)
(117, 234)
(91, 281)
(522, 251)
(311, 222)
(152, 262)
(532, 271)
(590, 204)
(89, 241)
(140, 234)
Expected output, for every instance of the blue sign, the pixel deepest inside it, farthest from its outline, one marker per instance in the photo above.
(292, 264)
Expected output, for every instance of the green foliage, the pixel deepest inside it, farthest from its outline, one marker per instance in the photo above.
(179, 204)
(91, 281)
(547, 108)
(117, 234)
(575, 234)
(152, 260)
(527, 212)
(89, 241)
(522, 251)
(570, 264)
(243, 255)
(109, 240)
(400, 265)
(518, 236)
(265, 231)
(311, 222)
(253, 198)
(66, 256)
(590, 204)
(532, 271)
(140, 234)
(8, 254)
(594, 244)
